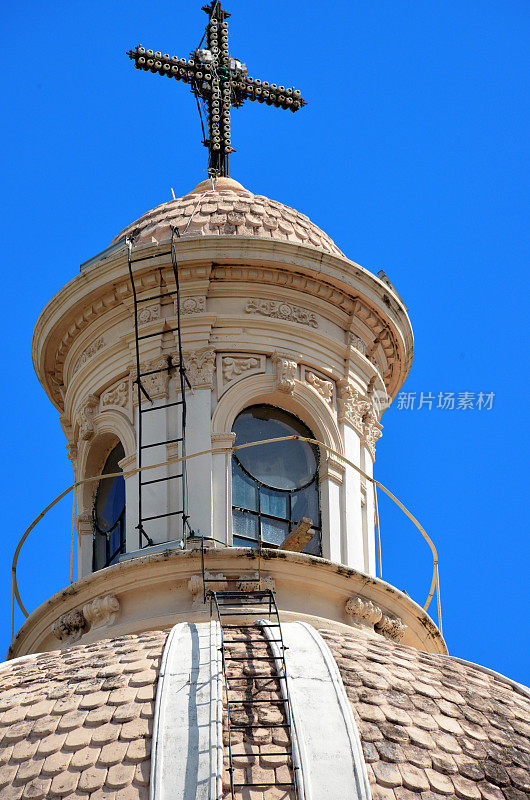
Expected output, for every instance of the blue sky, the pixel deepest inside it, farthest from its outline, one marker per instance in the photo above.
(411, 155)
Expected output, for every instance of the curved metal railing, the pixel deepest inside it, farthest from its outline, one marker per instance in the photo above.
(435, 581)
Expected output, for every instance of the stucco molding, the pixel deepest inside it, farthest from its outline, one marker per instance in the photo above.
(102, 612)
(70, 627)
(153, 592)
(200, 368)
(85, 418)
(320, 385)
(191, 305)
(156, 385)
(88, 353)
(116, 396)
(98, 291)
(302, 401)
(391, 627)
(232, 367)
(281, 310)
(285, 370)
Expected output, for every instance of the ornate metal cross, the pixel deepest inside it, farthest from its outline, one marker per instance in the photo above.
(219, 81)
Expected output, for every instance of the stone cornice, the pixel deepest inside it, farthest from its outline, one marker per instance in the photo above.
(302, 581)
(104, 285)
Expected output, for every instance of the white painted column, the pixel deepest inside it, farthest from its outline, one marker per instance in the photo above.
(367, 465)
(221, 487)
(352, 523)
(85, 532)
(199, 470)
(331, 480)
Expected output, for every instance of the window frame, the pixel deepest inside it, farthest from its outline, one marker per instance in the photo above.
(259, 514)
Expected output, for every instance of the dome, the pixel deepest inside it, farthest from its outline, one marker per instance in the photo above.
(228, 210)
(78, 722)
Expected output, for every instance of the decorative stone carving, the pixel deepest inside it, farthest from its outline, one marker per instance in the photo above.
(280, 310)
(372, 431)
(357, 342)
(70, 627)
(200, 367)
(247, 583)
(354, 408)
(85, 524)
(86, 417)
(351, 406)
(324, 388)
(148, 314)
(192, 305)
(116, 396)
(89, 352)
(155, 385)
(223, 440)
(391, 627)
(363, 610)
(196, 587)
(72, 453)
(101, 612)
(284, 372)
(234, 366)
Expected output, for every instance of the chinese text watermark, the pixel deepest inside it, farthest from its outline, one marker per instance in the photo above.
(445, 401)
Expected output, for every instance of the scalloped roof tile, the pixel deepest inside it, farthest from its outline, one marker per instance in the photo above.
(76, 723)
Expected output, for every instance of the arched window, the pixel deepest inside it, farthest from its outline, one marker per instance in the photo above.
(273, 485)
(109, 513)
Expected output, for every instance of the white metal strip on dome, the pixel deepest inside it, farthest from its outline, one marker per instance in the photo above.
(327, 740)
(187, 757)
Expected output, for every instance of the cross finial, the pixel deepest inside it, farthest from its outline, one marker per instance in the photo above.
(219, 81)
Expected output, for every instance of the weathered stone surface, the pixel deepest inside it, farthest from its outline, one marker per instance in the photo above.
(72, 736)
(448, 729)
(77, 723)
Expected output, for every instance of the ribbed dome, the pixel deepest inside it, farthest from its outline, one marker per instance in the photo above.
(228, 210)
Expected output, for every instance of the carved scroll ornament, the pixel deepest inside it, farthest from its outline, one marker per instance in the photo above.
(86, 417)
(323, 387)
(234, 366)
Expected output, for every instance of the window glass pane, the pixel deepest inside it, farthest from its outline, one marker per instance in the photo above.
(305, 504)
(274, 502)
(245, 526)
(110, 495)
(109, 513)
(283, 465)
(238, 542)
(314, 547)
(273, 531)
(244, 489)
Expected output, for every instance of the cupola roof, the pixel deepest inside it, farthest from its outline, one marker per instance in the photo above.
(228, 209)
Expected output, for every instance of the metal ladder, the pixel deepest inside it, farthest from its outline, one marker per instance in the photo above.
(145, 403)
(248, 606)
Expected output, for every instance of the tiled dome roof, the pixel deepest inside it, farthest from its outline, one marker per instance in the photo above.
(77, 723)
(228, 210)
(432, 727)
